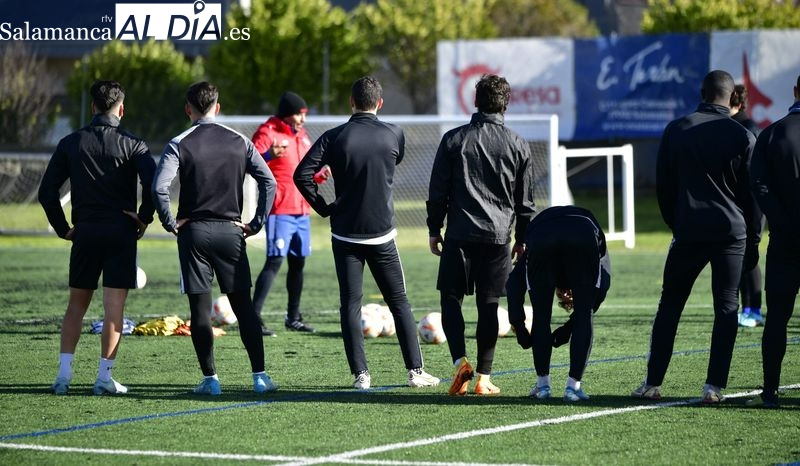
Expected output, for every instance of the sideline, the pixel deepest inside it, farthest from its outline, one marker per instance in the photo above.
(351, 457)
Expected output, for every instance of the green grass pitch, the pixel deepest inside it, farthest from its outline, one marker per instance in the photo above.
(317, 418)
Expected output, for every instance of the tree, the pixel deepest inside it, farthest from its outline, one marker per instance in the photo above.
(404, 34)
(526, 18)
(306, 46)
(155, 77)
(665, 16)
(26, 93)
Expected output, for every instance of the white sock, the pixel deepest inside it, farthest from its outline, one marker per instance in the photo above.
(65, 365)
(259, 373)
(104, 372)
(573, 384)
(543, 381)
(457, 362)
(212, 377)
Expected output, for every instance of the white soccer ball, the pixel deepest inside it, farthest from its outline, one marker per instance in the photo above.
(222, 312)
(141, 278)
(371, 320)
(430, 329)
(387, 319)
(503, 325)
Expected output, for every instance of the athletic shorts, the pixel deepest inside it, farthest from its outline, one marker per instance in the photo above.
(107, 248)
(209, 248)
(466, 267)
(288, 234)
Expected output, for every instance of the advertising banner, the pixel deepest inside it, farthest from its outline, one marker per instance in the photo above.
(539, 70)
(631, 87)
(766, 62)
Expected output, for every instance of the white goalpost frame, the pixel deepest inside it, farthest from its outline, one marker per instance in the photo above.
(561, 194)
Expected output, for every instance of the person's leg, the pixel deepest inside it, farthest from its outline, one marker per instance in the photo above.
(726, 269)
(249, 328)
(202, 333)
(114, 306)
(683, 264)
(71, 326)
(79, 300)
(384, 264)
(580, 346)
(486, 332)
(294, 286)
(782, 284)
(349, 266)
(452, 285)
(299, 249)
(264, 282)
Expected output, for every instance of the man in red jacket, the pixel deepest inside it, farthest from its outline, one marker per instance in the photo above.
(283, 142)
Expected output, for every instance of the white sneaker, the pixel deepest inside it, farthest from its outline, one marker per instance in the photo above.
(262, 383)
(712, 394)
(363, 381)
(109, 387)
(419, 378)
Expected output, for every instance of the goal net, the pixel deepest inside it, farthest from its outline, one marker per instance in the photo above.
(21, 173)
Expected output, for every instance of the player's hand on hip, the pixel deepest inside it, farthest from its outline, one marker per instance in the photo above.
(140, 225)
(69, 234)
(435, 243)
(246, 230)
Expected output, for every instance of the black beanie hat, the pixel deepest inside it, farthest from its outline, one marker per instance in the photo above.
(291, 104)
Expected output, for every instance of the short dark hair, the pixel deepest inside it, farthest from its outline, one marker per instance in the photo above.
(798, 81)
(106, 95)
(202, 96)
(717, 86)
(492, 93)
(739, 97)
(366, 93)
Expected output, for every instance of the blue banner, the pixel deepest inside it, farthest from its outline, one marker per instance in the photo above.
(631, 87)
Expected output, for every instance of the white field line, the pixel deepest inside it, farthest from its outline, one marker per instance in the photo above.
(351, 457)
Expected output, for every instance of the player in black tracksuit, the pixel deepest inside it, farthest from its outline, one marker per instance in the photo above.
(702, 185)
(565, 254)
(776, 185)
(362, 155)
(211, 161)
(482, 183)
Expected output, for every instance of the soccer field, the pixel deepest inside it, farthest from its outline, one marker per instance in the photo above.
(317, 418)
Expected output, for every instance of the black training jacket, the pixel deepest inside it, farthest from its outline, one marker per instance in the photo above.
(702, 177)
(776, 175)
(102, 162)
(362, 155)
(482, 179)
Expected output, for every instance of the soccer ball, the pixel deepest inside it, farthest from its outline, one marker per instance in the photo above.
(503, 325)
(141, 278)
(222, 312)
(387, 319)
(430, 329)
(371, 320)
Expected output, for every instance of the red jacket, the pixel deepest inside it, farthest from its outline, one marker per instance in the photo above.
(288, 200)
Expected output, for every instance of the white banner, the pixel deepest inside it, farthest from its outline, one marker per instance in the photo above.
(540, 72)
(766, 62)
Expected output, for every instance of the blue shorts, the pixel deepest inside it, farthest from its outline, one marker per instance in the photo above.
(288, 234)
